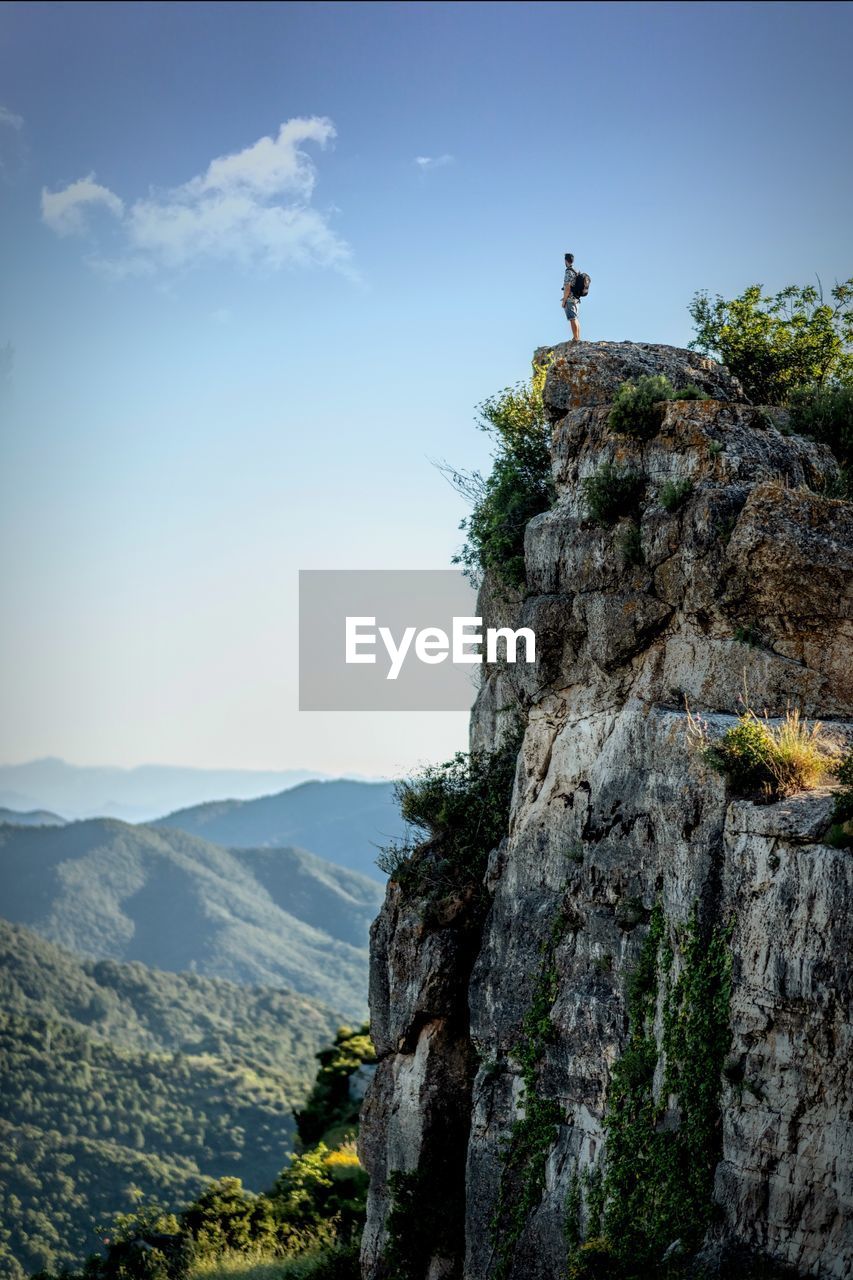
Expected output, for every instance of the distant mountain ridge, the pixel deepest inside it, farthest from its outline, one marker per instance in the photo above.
(341, 819)
(134, 795)
(106, 889)
(31, 818)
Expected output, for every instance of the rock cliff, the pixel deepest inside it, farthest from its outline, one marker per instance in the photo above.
(513, 1078)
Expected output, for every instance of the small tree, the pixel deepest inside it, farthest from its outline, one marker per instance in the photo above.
(518, 487)
(780, 343)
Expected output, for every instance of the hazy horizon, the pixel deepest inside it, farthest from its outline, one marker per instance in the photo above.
(143, 792)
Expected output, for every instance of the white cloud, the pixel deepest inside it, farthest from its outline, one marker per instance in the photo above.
(425, 163)
(252, 206)
(9, 118)
(64, 211)
(269, 166)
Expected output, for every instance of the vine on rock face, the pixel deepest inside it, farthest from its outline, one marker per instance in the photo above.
(660, 1163)
(532, 1137)
(423, 1220)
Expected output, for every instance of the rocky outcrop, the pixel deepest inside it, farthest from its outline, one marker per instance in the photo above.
(744, 583)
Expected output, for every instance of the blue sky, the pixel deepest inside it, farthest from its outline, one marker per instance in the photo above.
(236, 359)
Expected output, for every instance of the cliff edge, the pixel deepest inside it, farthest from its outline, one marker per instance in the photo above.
(641, 1026)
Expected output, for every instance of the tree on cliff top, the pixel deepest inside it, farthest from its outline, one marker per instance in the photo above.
(782, 343)
(518, 487)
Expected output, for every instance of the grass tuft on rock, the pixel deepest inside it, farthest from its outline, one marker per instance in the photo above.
(758, 757)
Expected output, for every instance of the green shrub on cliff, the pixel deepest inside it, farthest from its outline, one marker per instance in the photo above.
(777, 344)
(771, 760)
(518, 487)
(674, 493)
(635, 409)
(461, 808)
(611, 493)
(826, 413)
(841, 832)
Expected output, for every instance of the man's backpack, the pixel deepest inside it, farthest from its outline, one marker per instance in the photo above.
(580, 285)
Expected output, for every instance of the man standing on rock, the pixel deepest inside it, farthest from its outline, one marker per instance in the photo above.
(570, 303)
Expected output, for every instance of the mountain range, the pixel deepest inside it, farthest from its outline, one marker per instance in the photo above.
(31, 818)
(342, 820)
(277, 917)
(134, 795)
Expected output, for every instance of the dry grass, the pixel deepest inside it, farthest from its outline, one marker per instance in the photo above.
(762, 758)
(318, 1262)
(801, 756)
(239, 1266)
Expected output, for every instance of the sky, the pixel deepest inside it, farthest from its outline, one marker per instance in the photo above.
(259, 264)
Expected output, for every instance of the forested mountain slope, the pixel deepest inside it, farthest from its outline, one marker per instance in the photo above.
(271, 917)
(342, 820)
(121, 1083)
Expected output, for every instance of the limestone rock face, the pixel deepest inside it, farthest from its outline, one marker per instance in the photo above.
(747, 584)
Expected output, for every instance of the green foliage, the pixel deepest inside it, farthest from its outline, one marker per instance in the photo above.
(841, 832)
(525, 1152)
(743, 755)
(228, 1217)
(593, 1260)
(748, 633)
(658, 1179)
(122, 1083)
(318, 1261)
(674, 493)
(611, 493)
(319, 1186)
(777, 344)
(306, 1227)
(574, 1202)
(462, 809)
(844, 798)
(424, 1218)
(518, 487)
(630, 545)
(329, 1105)
(635, 410)
(826, 413)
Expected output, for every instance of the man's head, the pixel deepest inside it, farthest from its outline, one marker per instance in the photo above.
(570, 257)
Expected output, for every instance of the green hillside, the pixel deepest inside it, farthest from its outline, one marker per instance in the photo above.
(272, 917)
(121, 1084)
(306, 1225)
(342, 820)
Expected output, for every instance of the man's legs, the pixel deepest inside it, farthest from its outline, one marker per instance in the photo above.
(576, 329)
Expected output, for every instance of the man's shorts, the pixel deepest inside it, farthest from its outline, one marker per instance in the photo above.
(572, 309)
